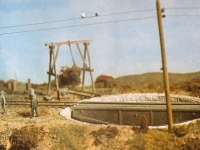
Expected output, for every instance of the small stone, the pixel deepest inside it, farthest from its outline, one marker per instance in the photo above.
(181, 131)
(192, 136)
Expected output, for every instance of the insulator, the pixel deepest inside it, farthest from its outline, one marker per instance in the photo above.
(163, 16)
(162, 10)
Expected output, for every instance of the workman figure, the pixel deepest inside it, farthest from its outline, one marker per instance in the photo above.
(3, 102)
(34, 104)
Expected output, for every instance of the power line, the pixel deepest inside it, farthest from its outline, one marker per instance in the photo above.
(54, 21)
(144, 10)
(183, 8)
(183, 15)
(94, 23)
(30, 24)
(117, 21)
(62, 20)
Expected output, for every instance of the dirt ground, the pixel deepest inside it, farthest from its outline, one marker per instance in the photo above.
(51, 131)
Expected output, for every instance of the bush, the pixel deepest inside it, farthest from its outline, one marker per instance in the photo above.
(26, 137)
(109, 132)
(104, 81)
(70, 76)
(143, 125)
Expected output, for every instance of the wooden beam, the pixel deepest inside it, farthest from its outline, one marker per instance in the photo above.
(84, 62)
(50, 61)
(86, 45)
(55, 58)
(52, 74)
(67, 42)
(87, 69)
(83, 78)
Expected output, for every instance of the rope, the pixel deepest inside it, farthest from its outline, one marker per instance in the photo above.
(74, 64)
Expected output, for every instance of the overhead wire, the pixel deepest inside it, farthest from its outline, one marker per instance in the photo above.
(183, 15)
(112, 14)
(183, 8)
(62, 20)
(54, 21)
(89, 24)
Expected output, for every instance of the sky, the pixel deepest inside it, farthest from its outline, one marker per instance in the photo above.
(125, 37)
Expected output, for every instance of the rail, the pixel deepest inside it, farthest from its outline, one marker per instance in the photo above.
(43, 103)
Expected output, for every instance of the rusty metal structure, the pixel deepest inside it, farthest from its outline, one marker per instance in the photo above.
(53, 55)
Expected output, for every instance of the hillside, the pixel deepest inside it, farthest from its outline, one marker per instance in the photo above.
(156, 78)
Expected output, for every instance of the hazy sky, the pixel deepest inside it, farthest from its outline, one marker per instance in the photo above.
(119, 48)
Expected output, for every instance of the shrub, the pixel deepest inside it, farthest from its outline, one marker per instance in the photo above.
(26, 137)
(104, 81)
(143, 125)
(70, 76)
(109, 132)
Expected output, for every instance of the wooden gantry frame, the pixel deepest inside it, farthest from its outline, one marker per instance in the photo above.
(53, 55)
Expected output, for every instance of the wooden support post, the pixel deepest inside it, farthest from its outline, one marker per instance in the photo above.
(55, 58)
(14, 84)
(165, 72)
(29, 86)
(57, 87)
(54, 68)
(84, 62)
(51, 48)
(93, 87)
(83, 78)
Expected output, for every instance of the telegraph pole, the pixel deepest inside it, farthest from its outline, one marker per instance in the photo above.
(164, 66)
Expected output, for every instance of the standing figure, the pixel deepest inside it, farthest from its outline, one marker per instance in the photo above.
(3, 102)
(34, 104)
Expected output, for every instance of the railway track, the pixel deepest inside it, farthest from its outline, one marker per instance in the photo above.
(122, 113)
(43, 103)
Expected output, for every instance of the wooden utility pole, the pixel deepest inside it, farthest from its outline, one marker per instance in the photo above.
(164, 66)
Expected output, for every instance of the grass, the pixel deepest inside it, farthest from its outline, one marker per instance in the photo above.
(26, 137)
(43, 111)
(24, 113)
(69, 137)
(160, 139)
(109, 132)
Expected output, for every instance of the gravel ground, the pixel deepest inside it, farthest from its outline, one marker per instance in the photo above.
(62, 132)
